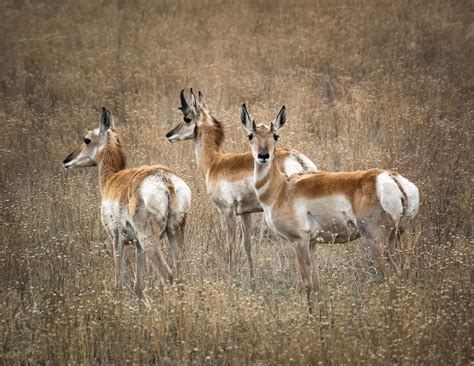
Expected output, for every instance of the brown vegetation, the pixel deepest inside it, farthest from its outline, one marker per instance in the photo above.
(383, 84)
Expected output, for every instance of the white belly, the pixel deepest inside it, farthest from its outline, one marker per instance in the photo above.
(236, 195)
(116, 220)
(330, 218)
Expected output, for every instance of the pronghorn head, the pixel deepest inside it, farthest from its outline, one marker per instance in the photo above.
(261, 137)
(194, 114)
(87, 154)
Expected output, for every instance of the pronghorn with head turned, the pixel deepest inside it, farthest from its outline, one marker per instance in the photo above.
(140, 204)
(328, 207)
(229, 176)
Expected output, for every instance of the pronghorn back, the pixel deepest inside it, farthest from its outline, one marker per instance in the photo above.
(127, 187)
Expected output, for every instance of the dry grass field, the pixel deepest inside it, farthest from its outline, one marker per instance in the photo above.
(372, 83)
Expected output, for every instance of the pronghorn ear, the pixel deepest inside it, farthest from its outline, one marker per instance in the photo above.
(245, 119)
(280, 119)
(193, 101)
(105, 121)
(201, 100)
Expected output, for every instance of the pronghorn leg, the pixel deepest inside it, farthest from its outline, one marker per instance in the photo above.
(158, 261)
(118, 245)
(149, 239)
(173, 240)
(152, 230)
(392, 250)
(175, 234)
(376, 235)
(231, 234)
(246, 221)
(306, 268)
(140, 262)
(314, 258)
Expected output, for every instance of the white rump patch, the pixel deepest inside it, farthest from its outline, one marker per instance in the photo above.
(309, 165)
(155, 195)
(389, 195)
(413, 195)
(183, 194)
(293, 165)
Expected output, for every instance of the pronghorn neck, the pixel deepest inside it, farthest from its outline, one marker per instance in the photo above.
(208, 143)
(112, 158)
(269, 180)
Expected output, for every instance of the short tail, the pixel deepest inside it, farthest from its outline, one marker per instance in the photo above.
(398, 196)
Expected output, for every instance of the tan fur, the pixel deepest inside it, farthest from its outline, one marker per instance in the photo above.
(131, 210)
(124, 186)
(299, 208)
(217, 165)
(237, 166)
(232, 170)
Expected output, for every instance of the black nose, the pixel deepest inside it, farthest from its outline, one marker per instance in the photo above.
(169, 134)
(68, 159)
(263, 156)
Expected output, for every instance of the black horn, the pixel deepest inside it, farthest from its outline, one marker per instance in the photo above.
(184, 105)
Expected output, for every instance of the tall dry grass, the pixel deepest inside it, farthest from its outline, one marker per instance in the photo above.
(374, 83)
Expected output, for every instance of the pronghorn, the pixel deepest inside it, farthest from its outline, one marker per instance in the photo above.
(140, 204)
(327, 207)
(229, 176)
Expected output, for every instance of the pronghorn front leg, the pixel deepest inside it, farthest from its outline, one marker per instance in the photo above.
(315, 262)
(118, 244)
(306, 268)
(230, 234)
(246, 221)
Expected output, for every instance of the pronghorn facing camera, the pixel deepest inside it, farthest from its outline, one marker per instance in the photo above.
(229, 176)
(328, 207)
(140, 204)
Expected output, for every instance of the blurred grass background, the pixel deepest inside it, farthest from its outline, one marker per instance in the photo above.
(384, 84)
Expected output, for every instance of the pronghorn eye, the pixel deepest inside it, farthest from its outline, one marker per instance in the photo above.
(250, 136)
(187, 120)
(275, 136)
(87, 141)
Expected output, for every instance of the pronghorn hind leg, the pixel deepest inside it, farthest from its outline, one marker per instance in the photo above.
(230, 234)
(119, 260)
(376, 235)
(306, 268)
(393, 250)
(175, 234)
(151, 231)
(246, 221)
(153, 251)
(150, 236)
(140, 270)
